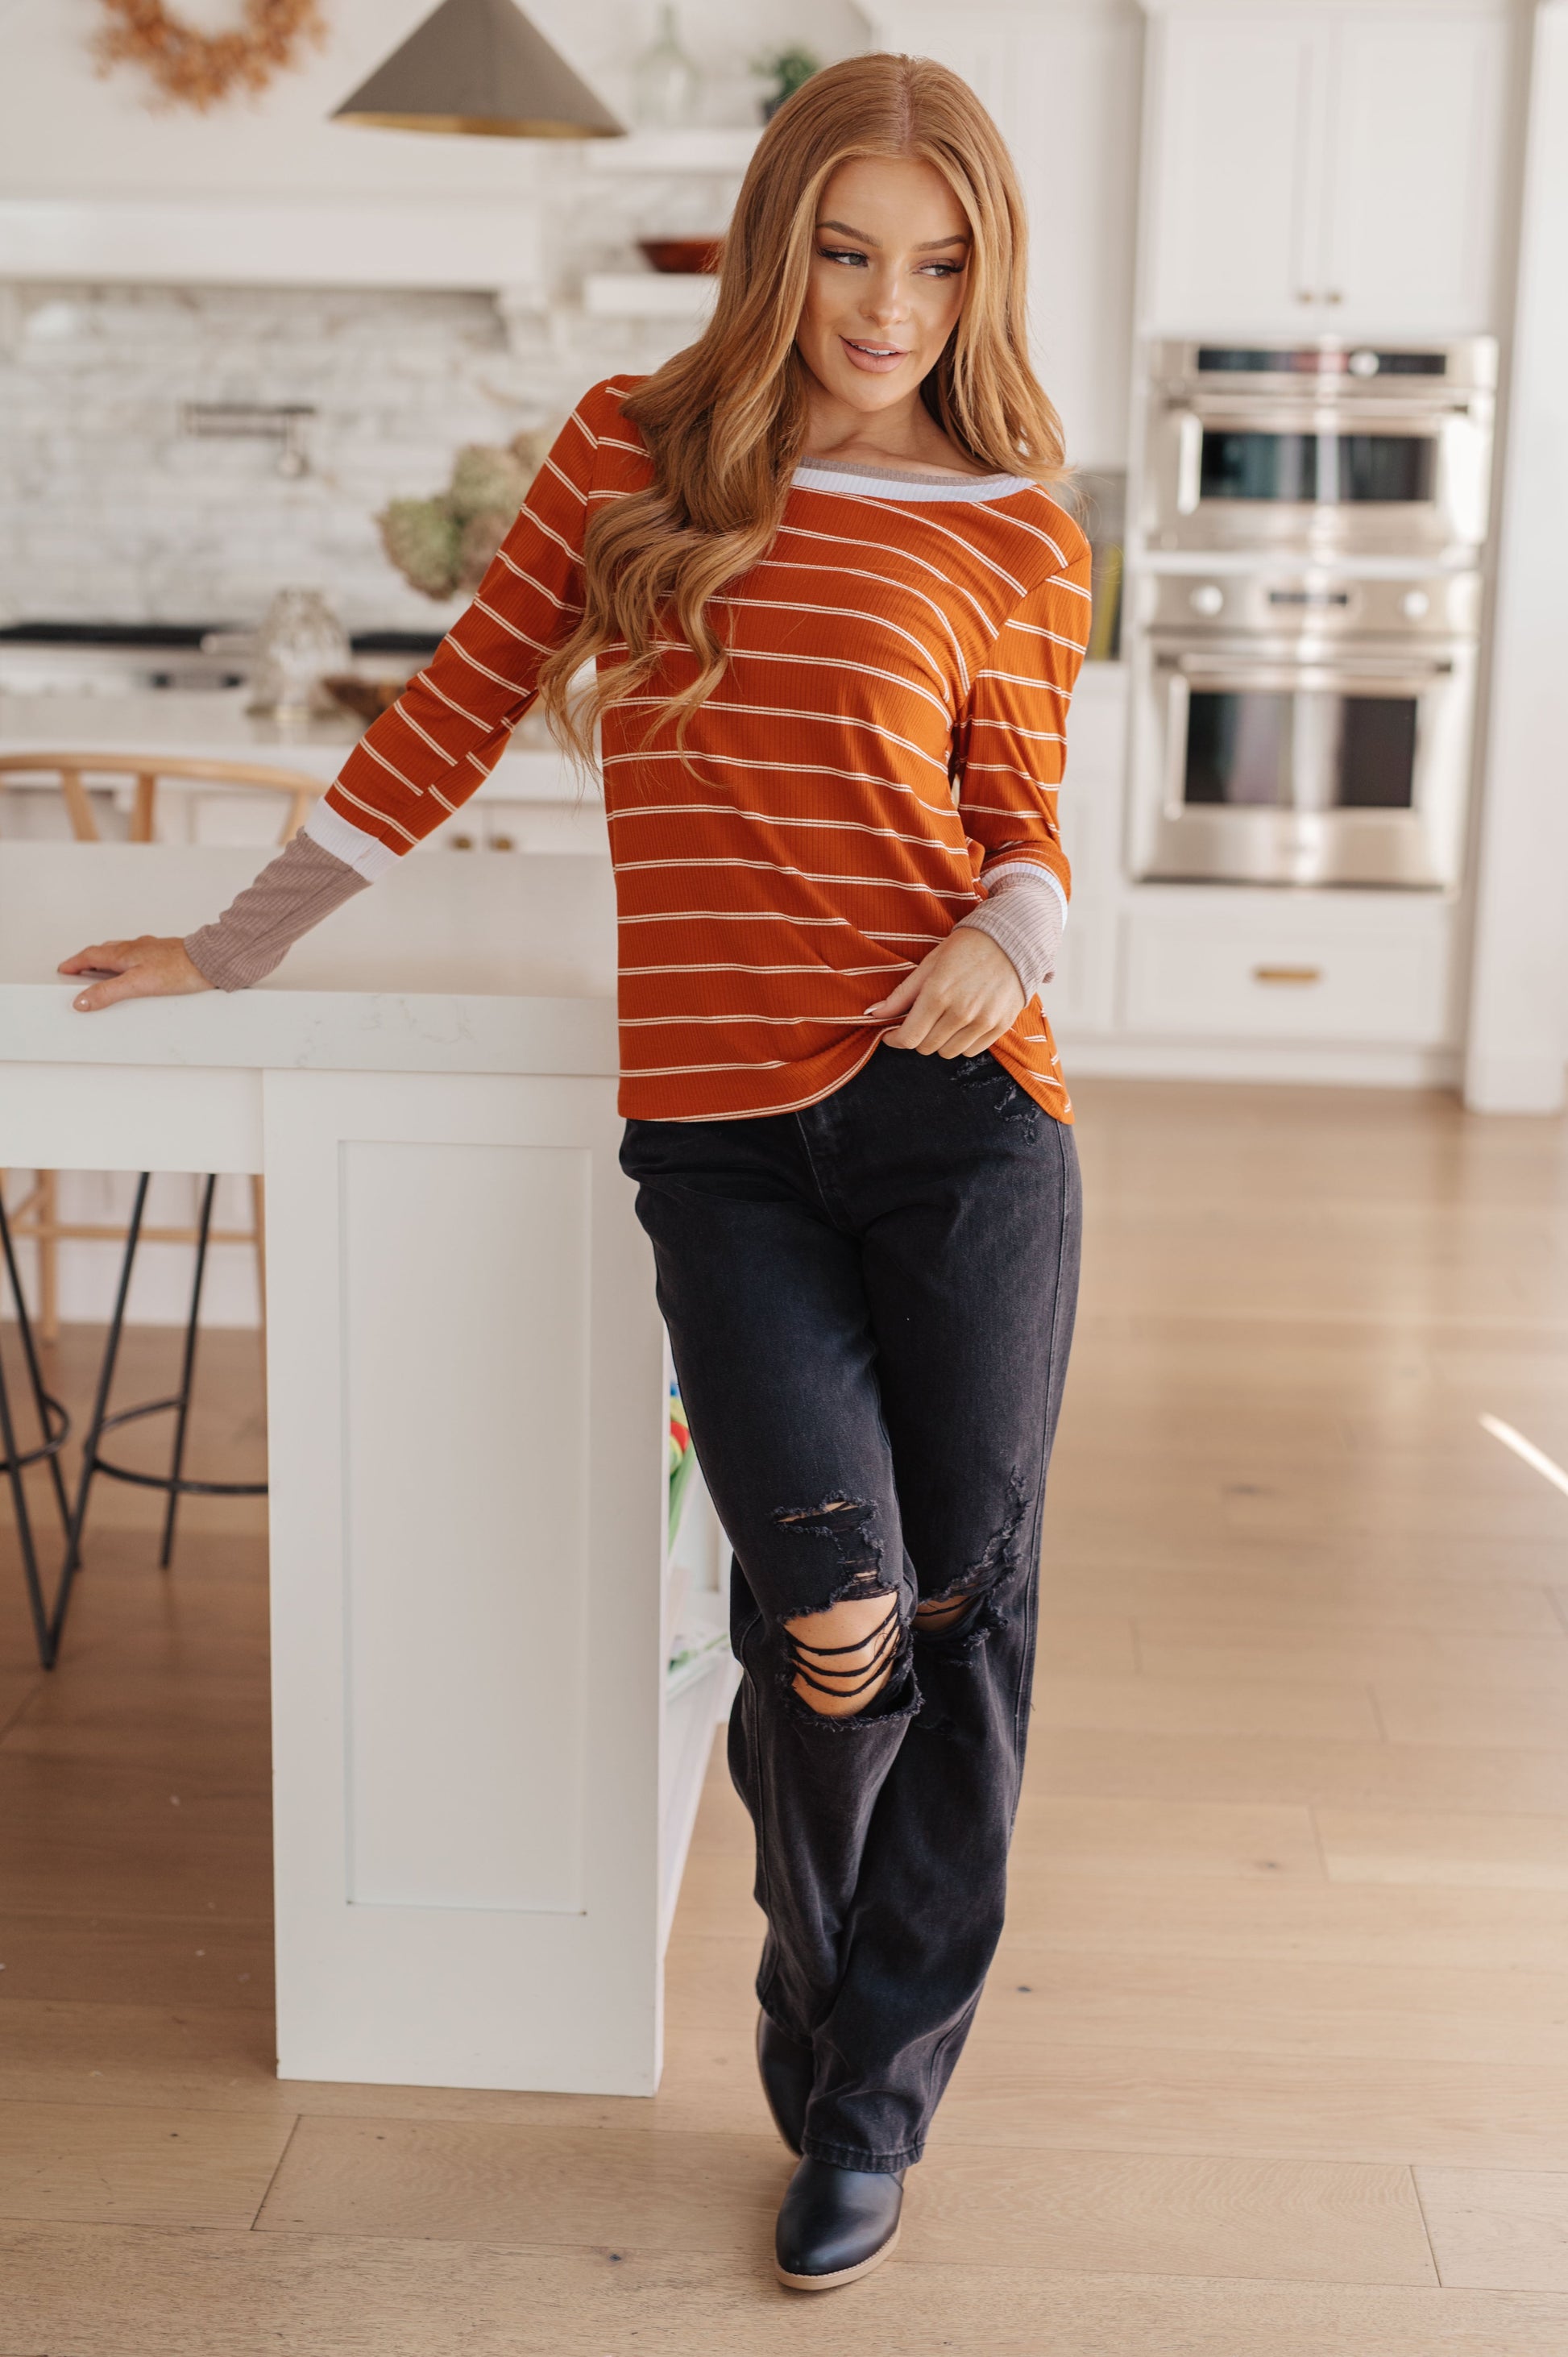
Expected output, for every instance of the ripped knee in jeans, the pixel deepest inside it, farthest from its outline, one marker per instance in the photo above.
(968, 1610)
(842, 1655)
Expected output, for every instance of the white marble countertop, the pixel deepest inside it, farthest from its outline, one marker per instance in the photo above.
(495, 966)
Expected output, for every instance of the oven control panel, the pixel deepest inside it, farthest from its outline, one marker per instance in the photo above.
(1293, 602)
(1387, 369)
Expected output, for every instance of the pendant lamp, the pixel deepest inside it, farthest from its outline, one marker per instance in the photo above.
(479, 66)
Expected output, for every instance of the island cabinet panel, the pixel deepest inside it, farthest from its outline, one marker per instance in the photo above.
(465, 1382)
(1323, 170)
(465, 1291)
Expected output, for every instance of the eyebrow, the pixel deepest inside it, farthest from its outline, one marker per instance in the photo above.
(959, 237)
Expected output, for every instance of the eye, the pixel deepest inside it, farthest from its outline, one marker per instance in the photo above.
(941, 269)
(841, 254)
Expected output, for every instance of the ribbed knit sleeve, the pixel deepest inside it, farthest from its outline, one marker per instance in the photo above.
(1025, 915)
(422, 759)
(255, 931)
(1011, 742)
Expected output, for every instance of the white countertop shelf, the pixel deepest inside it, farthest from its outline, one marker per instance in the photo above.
(650, 295)
(477, 241)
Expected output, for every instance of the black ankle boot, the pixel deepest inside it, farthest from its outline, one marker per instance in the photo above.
(836, 2225)
(786, 2069)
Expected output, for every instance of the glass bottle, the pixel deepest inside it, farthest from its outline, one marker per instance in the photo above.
(300, 639)
(666, 85)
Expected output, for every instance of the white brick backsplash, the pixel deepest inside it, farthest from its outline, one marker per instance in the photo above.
(112, 514)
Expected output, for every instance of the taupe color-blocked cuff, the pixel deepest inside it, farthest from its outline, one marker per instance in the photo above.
(1026, 917)
(256, 932)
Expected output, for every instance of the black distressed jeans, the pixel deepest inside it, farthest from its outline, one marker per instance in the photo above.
(870, 1304)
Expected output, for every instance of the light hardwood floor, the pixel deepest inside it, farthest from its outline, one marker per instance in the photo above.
(1274, 2058)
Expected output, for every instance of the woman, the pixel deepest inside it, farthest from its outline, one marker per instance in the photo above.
(836, 618)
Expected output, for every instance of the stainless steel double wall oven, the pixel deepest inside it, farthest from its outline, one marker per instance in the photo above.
(1307, 610)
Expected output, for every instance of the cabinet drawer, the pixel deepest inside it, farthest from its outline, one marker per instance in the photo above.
(1194, 975)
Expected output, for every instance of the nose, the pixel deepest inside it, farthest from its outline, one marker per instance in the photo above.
(884, 301)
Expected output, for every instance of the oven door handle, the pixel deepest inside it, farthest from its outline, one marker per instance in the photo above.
(1332, 414)
(1189, 464)
(1207, 671)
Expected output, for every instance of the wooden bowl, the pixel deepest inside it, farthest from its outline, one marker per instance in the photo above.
(681, 257)
(368, 699)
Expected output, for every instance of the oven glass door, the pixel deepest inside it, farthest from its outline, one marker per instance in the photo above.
(1258, 475)
(1301, 765)
(1313, 748)
(1299, 468)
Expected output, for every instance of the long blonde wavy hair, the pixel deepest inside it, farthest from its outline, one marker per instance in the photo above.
(725, 420)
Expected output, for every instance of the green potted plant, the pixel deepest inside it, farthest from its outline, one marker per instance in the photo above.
(786, 69)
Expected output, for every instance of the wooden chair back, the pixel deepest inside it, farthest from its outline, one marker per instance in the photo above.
(71, 770)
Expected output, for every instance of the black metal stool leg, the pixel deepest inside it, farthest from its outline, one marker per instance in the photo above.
(12, 1456)
(186, 1373)
(54, 1425)
(95, 1429)
(175, 1482)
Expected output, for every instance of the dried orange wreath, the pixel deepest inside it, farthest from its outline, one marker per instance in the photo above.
(198, 69)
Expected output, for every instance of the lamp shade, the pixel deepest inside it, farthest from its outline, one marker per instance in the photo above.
(479, 66)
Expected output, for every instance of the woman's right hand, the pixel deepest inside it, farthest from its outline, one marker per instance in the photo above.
(148, 967)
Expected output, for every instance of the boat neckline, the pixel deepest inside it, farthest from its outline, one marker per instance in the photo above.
(843, 474)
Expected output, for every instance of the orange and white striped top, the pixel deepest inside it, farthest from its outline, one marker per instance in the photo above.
(889, 733)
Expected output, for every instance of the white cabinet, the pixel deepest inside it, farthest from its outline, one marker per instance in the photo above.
(1232, 107)
(1204, 964)
(1322, 170)
(1413, 175)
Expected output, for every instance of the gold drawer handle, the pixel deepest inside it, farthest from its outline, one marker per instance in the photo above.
(1287, 974)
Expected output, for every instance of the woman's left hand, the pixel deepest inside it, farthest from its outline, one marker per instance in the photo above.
(151, 966)
(960, 997)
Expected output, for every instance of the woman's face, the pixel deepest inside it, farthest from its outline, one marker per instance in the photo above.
(888, 267)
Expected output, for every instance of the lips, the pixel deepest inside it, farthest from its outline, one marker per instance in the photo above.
(877, 357)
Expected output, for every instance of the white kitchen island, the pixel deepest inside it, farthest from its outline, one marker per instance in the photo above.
(485, 1776)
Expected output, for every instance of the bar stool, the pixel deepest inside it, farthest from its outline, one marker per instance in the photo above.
(40, 1220)
(176, 1483)
(54, 1430)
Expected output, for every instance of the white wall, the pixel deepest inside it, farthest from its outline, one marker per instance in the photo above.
(1518, 1013)
(65, 132)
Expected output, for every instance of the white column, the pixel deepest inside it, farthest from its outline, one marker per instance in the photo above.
(1519, 1004)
